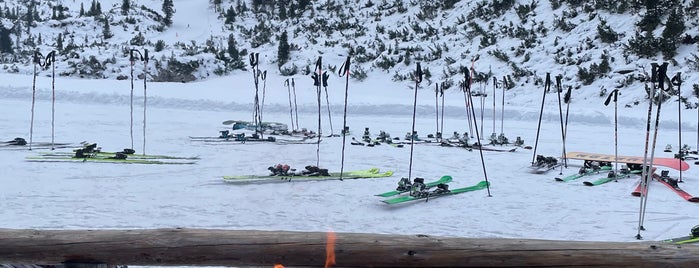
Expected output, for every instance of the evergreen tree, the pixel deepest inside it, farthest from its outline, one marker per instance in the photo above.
(169, 10)
(106, 31)
(125, 6)
(59, 42)
(282, 9)
(82, 10)
(5, 41)
(230, 16)
(674, 28)
(283, 50)
(233, 52)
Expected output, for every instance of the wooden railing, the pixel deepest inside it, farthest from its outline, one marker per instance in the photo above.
(207, 247)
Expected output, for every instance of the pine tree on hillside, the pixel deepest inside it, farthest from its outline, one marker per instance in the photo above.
(236, 61)
(674, 28)
(106, 31)
(59, 42)
(169, 10)
(125, 6)
(82, 10)
(5, 41)
(230, 16)
(283, 50)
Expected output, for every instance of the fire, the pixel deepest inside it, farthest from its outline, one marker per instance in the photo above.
(278, 265)
(330, 250)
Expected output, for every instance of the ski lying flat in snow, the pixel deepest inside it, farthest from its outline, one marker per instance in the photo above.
(111, 154)
(607, 179)
(401, 199)
(35, 146)
(676, 189)
(357, 174)
(443, 179)
(682, 240)
(251, 140)
(103, 160)
(474, 147)
(543, 169)
(673, 163)
(637, 189)
(580, 175)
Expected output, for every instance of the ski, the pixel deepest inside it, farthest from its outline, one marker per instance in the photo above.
(673, 163)
(406, 188)
(436, 193)
(637, 189)
(611, 177)
(672, 185)
(582, 173)
(693, 237)
(103, 160)
(102, 154)
(358, 174)
(474, 147)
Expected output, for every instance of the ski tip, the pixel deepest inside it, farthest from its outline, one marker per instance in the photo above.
(587, 183)
(558, 179)
(693, 199)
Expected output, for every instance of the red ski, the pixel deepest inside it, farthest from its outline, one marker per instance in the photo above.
(637, 190)
(673, 163)
(672, 184)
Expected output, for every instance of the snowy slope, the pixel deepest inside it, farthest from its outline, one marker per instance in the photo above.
(522, 205)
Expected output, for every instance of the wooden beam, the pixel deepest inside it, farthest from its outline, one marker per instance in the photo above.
(207, 247)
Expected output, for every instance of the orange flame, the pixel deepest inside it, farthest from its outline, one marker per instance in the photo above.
(330, 250)
(278, 265)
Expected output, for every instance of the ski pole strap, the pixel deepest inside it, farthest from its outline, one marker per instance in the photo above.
(418, 74)
(344, 68)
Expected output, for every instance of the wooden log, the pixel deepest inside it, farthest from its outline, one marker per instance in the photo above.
(206, 247)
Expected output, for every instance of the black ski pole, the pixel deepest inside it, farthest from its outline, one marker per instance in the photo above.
(344, 71)
(677, 81)
(547, 84)
(291, 108)
(50, 60)
(480, 145)
(36, 61)
(613, 97)
(560, 113)
(418, 80)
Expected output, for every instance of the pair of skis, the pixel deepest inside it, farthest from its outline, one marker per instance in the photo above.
(357, 174)
(427, 194)
(686, 196)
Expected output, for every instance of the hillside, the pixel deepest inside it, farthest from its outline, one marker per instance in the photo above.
(596, 46)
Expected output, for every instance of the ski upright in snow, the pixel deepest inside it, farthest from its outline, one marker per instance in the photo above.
(404, 185)
(441, 190)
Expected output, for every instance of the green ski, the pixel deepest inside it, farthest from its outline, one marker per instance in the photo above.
(357, 174)
(587, 172)
(610, 177)
(437, 193)
(104, 160)
(443, 179)
(111, 154)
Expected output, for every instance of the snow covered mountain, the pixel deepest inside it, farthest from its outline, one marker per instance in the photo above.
(595, 46)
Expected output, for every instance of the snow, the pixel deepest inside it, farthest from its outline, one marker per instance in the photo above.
(518, 204)
(521, 205)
